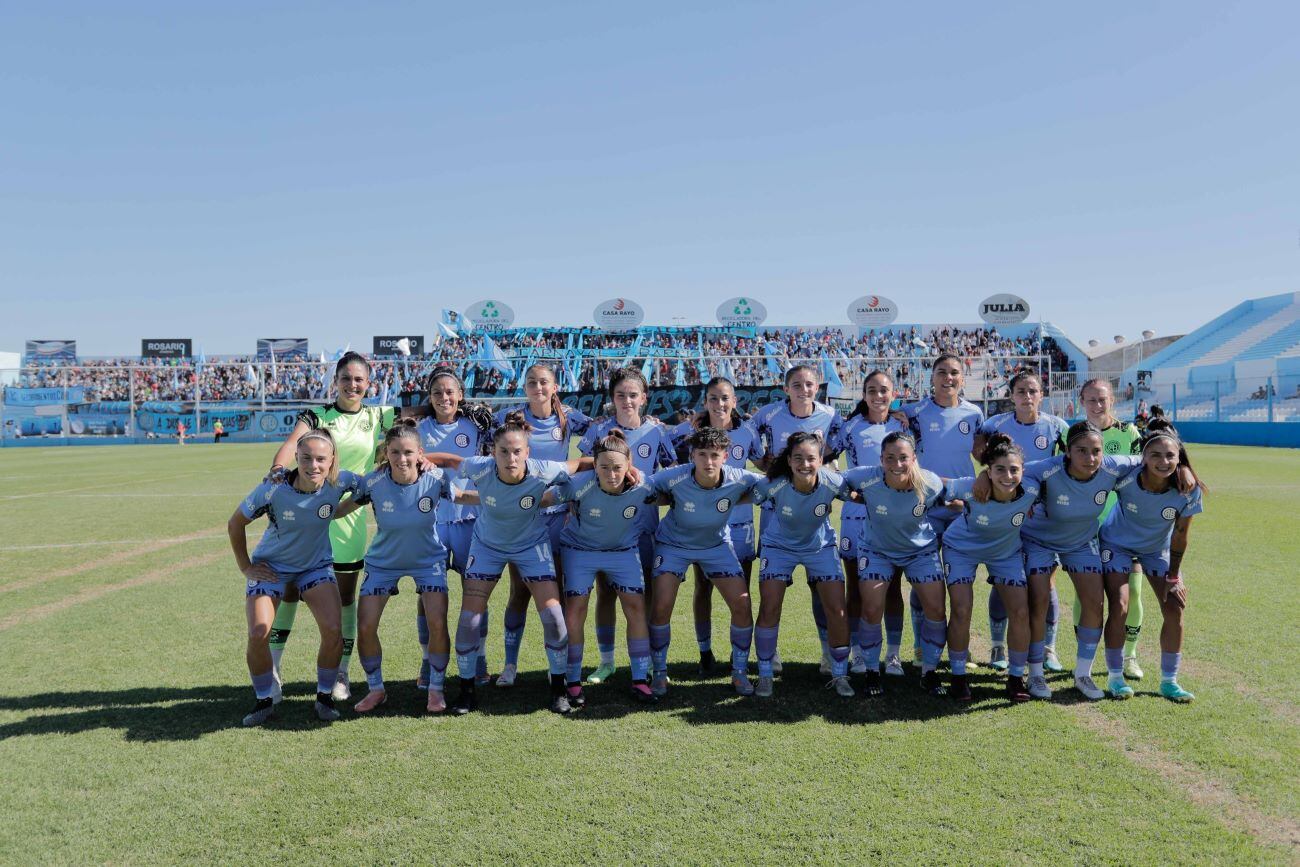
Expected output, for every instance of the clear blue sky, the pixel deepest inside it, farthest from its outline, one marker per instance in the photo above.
(228, 171)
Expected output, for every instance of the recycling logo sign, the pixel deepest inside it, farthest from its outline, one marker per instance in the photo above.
(741, 312)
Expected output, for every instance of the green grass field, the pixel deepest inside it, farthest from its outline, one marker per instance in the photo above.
(121, 623)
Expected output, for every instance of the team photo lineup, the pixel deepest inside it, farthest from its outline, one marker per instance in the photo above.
(930, 491)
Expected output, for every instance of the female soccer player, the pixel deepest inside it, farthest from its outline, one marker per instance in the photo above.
(405, 501)
(700, 496)
(899, 537)
(1150, 525)
(600, 539)
(799, 533)
(294, 553)
(1037, 434)
(774, 423)
(720, 412)
(551, 426)
(462, 429)
(860, 438)
(357, 430)
(989, 533)
(650, 444)
(944, 426)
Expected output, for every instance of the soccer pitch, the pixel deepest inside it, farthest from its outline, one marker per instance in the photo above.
(122, 624)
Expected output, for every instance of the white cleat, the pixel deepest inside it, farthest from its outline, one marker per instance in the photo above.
(858, 666)
(1038, 687)
(277, 687)
(1089, 689)
(893, 665)
(841, 686)
(507, 675)
(342, 691)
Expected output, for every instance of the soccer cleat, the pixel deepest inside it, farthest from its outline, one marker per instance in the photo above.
(437, 702)
(1038, 687)
(873, 686)
(482, 678)
(707, 663)
(261, 712)
(1132, 670)
(858, 665)
(659, 685)
(1050, 660)
(825, 667)
(893, 666)
(1118, 689)
(325, 710)
(1172, 691)
(342, 690)
(641, 693)
(507, 676)
(373, 699)
(1085, 685)
(960, 689)
(740, 682)
(559, 695)
(468, 698)
(764, 687)
(931, 683)
(277, 687)
(842, 687)
(776, 663)
(577, 701)
(601, 674)
(1016, 691)
(998, 658)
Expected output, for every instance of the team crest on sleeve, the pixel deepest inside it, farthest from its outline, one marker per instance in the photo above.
(918, 510)
(1099, 498)
(527, 501)
(1017, 519)
(325, 511)
(963, 426)
(557, 434)
(462, 440)
(820, 510)
(629, 513)
(1169, 513)
(425, 504)
(643, 450)
(1040, 442)
(724, 504)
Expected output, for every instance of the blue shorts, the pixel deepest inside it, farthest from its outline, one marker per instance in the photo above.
(1040, 559)
(383, 582)
(1116, 560)
(716, 562)
(919, 568)
(645, 552)
(742, 540)
(959, 568)
(777, 564)
(622, 570)
(304, 581)
(486, 563)
(456, 536)
(850, 533)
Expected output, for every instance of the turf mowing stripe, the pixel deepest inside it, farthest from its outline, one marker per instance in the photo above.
(1214, 796)
(57, 545)
(116, 484)
(1285, 711)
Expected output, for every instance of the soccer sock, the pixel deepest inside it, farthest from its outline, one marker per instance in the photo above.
(704, 635)
(819, 618)
(957, 658)
(741, 639)
(280, 629)
(1078, 611)
(605, 639)
(480, 668)
(1018, 660)
(855, 639)
(1133, 623)
(325, 679)
(840, 661)
(555, 635)
(997, 620)
(437, 671)
(1089, 637)
(765, 647)
(373, 667)
(1169, 663)
(514, 630)
(893, 633)
(263, 684)
(660, 638)
(934, 633)
(1037, 653)
(575, 663)
(869, 643)
(467, 644)
(638, 649)
(1054, 617)
(918, 618)
(349, 635)
(1114, 662)
(422, 631)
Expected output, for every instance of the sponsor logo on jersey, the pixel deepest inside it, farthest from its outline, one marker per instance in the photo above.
(882, 510)
(688, 506)
(425, 504)
(1099, 498)
(489, 501)
(643, 450)
(1132, 507)
(918, 510)
(629, 513)
(982, 520)
(1017, 519)
(287, 515)
(1169, 513)
(1063, 500)
(1040, 442)
(388, 505)
(963, 426)
(462, 440)
(724, 504)
(527, 501)
(786, 510)
(325, 511)
(820, 510)
(593, 513)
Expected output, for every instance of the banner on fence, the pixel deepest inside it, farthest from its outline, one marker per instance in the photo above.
(51, 350)
(284, 348)
(43, 396)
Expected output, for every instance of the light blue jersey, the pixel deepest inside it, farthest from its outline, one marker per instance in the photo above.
(1037, 440)
(407, 517)
(775, 423)
(988, 531)
(860, 441)
(698, 517)
(547, 441)
(599, 521)
(652, 447)
(746, 446)
(298, 536)
(1143, 522)
(898, 524)
(509, 518)
(463, 439)
(1066, 519)
(944, 435)
(800, 522)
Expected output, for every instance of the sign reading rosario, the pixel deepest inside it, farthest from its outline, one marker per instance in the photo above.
(619, 314)
(166, 347)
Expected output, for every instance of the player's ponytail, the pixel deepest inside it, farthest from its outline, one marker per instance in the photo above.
(999, 445)
(320, 433)
(780, 468)
(514, 422)
(916, 475)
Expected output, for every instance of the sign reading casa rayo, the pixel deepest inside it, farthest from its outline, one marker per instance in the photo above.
(743, 312)
(619, 314)
(1004, 309)
(490, 314)
(872, 311)
(166, 347)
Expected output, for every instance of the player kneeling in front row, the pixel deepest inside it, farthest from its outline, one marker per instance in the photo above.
(294, 551)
